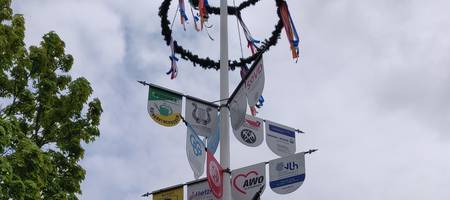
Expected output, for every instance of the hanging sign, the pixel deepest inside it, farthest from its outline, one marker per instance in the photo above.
(164, 106)
(287, 174)
(251, 133)
(214, 139)
(202, 116)
(214, 174)
(195, 150)
(199, 190)
(238, 108)
(254, 83)
(176, 193)
(280, 139)
(248, 181)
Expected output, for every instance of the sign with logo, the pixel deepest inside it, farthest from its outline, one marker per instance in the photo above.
(169, 194)
(251, 133)
(280, 139)
(238, 108)
(214, 174)
(287, 174)
(248, 181)
(195, 150)
(199, 191)
(202, 116)
(254, 84)
(164, 106)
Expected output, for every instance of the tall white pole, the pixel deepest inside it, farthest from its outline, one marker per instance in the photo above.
(224, 94)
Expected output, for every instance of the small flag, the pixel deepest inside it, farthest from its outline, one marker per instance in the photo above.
(280, 139)
(164, 106)
(195, 151)
(238, 108)
(202, 116)
(287, 174)
(215, 175)
(251, 133)
(199, 190)
(214, 139)
(254, 84)
(171, 193)
(248, 181)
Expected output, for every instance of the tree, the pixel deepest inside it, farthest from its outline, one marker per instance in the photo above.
(45, 117)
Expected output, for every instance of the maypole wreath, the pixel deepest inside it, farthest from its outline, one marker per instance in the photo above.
(208, 63)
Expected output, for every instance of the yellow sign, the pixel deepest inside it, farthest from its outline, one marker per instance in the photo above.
(172, 194)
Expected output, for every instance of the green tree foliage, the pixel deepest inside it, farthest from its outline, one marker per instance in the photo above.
(45, 117)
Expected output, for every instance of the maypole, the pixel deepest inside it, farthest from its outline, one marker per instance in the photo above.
(208, 124)
(224, 94)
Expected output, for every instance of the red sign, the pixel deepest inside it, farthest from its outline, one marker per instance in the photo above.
(214, 173)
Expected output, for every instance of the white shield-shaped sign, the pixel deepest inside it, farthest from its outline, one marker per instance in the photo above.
(251, 133)
(238, 108)
(202, 116)
(248, 181)
(254, 82)
(195, 150)
(287, 174)
(280, 139)
(199, 191)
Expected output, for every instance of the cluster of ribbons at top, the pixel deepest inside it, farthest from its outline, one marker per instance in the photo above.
(201, 18)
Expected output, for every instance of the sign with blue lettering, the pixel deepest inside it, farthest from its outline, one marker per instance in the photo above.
(287, 174)
(280, 139)
(199, 191)
(248, 181)
(195, 151)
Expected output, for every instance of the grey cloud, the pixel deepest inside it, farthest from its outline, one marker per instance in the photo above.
(370, 90)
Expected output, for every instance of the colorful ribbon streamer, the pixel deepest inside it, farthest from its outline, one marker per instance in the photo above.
(203, 12)
(290, 29)
(173, 59)
(183, 15)
(196, 19)
(251, 42)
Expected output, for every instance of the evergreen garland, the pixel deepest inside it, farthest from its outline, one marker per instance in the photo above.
(208, 63)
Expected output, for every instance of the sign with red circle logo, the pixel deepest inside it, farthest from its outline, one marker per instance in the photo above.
(215, 175)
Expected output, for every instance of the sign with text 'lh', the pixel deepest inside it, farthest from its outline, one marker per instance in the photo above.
(287, 174)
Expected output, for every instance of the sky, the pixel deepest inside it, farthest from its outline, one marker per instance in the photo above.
(371, 91)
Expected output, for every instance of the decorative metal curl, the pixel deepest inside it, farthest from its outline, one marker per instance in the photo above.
(208, 63)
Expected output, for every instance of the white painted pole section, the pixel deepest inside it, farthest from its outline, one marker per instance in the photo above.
(224, 94)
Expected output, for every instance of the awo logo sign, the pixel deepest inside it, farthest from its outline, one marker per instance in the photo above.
(248, 181)
(244, 182)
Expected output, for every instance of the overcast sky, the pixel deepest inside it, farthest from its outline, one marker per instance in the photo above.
(371, 90)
